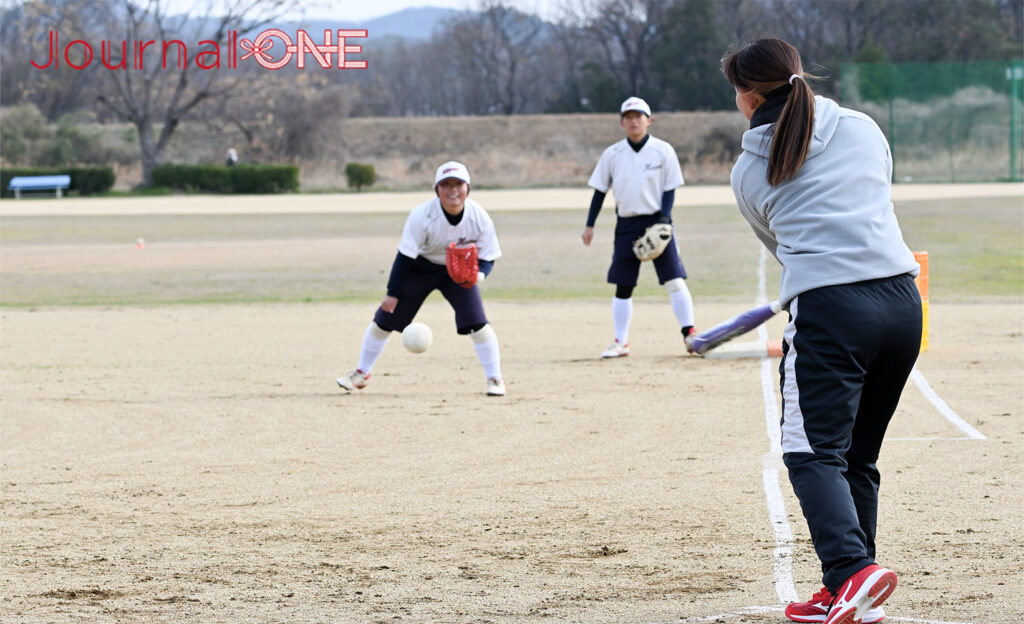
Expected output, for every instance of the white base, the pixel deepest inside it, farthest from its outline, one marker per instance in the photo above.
(755, 349)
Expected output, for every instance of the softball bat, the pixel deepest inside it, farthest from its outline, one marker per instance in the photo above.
(736, 326)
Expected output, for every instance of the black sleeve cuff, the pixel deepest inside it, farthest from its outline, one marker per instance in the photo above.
(595, 207)
(667, 199)
(398, 270)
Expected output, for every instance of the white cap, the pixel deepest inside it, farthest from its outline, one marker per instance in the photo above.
(451, 169)
(635, 104)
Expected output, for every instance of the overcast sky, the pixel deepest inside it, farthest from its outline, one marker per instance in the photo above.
(375, 8)
(368, 9)
(356, 10)
(351, 10)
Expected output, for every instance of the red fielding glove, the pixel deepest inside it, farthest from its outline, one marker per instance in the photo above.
(462, 264)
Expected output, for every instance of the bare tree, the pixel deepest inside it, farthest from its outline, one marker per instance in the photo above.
(626, 30)
(494, 49)
(156, 96)
(291, 115)
(394, 87)
(743, 20)
(33, 69)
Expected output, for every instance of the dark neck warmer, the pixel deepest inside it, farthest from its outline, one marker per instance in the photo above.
(638, 146)
(774, 102)
(453, 219)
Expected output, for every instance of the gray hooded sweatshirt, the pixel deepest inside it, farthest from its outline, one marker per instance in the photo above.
(833, 223)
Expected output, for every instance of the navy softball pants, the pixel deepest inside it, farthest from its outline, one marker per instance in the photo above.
(625, 267)
(423, 278)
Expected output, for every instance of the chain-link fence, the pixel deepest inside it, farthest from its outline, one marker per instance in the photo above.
(946, 122)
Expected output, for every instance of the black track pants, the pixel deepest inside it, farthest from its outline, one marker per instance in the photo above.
(847, 354)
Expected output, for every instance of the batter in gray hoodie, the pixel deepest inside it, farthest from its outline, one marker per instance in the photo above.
(825, 229)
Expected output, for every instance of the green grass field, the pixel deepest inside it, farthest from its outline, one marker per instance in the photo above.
(976, 251)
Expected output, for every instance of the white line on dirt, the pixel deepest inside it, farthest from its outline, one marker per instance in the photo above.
(765, 610)
(895, 619)
(931, 439)
(731, 614)
(782, 555)
(919, 621)
(944, 409)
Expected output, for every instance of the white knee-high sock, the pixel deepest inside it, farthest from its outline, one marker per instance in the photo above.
(374, 341)
(622, 314)
(682, 301)
(485, 342)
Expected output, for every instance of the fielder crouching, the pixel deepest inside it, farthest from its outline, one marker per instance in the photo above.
(424, 264)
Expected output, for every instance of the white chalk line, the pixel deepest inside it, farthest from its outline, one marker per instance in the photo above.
(920, 621)
(944, 409)
(765, 610)
(731, 614)
(782, 554)
(931, 439)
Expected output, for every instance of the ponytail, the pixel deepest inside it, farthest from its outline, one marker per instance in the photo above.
(762, 67)
(793, 131)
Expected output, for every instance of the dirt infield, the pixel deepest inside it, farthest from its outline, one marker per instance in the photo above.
(197, 464)
(165, 459)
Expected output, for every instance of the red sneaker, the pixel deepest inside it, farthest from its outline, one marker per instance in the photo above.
(815, 609)
(689, 333)
(860, 593)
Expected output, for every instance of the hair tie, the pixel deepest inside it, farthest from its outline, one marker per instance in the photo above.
(793, 77)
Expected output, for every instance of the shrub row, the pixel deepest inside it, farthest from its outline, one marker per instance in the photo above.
(224, 179)
(84, 180)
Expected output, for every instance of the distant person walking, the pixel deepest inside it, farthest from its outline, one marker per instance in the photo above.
(231, 157)
(814, 182)
(643, 172)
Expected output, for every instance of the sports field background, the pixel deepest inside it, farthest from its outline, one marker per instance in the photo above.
(174, 448)
(319, 248)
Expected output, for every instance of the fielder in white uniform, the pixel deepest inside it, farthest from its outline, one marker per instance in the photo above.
(643, 172)
(419, 269)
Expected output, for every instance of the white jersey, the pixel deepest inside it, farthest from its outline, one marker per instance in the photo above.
(427, 232)
(638, 179)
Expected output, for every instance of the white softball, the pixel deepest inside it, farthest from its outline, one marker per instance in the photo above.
(417, 337)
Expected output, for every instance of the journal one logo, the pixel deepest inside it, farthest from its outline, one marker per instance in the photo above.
(271, 49)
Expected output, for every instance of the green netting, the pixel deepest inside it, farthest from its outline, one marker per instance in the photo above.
(946, 122)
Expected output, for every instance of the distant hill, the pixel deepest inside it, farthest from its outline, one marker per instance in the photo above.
(414, 23)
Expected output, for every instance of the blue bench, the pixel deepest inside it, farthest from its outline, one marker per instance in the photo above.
(54, 183)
